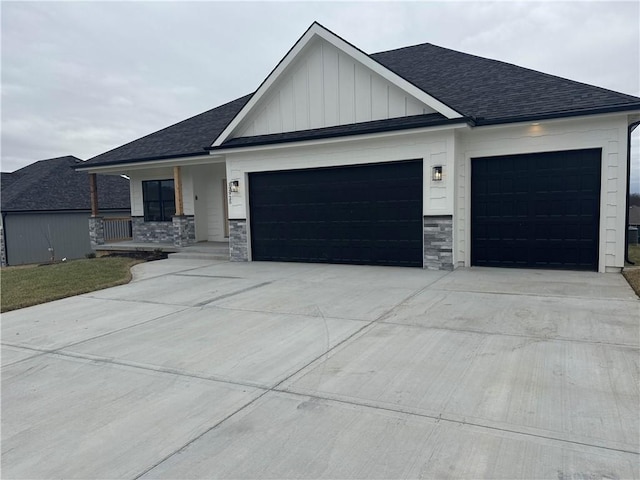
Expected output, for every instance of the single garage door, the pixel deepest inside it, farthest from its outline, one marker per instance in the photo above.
(537, 210)
(364, 215)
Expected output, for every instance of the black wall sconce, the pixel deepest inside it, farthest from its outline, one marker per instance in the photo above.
(436, 173)
(234, 186)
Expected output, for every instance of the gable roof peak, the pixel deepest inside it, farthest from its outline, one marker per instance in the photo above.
(316, 29)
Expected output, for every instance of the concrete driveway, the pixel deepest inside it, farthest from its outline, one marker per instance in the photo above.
(264, 370)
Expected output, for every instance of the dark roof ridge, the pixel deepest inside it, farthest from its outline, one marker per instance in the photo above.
(63, 157)
(502, 62)
(408, 46)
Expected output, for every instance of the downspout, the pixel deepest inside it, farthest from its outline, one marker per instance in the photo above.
(630, 130)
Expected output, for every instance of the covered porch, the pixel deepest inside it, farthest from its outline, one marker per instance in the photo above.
(172, 207)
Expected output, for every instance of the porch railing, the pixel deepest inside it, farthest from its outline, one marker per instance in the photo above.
(117, 229)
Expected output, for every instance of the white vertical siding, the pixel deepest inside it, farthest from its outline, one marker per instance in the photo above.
(346, 91)
(300, 98)
(323, 88)
(363, 93)
(331, 85)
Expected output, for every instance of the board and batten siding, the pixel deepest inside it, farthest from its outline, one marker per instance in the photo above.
(605, 132)
(323, 88)
(29, 235)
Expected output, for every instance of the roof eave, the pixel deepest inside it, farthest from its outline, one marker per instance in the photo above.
(135, 161)
(481, 122)
(373, 130)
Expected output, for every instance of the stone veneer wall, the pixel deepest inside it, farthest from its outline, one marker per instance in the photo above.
(184, 230)
(96, 231)
(238, 247)
(151, 232)
(438, 242)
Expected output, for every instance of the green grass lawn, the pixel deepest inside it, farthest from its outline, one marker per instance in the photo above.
(33, 284)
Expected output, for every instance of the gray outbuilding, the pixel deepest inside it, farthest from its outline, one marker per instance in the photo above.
(45, 210)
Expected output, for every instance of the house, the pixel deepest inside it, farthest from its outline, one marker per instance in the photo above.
(45, 210)
(420, 156)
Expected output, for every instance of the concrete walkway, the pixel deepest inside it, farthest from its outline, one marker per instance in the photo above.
(264, 370)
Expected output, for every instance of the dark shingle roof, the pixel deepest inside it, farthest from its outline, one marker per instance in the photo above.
(55, 185)
(483, 90)
(492, 90)
(189, 137)
(6, 179)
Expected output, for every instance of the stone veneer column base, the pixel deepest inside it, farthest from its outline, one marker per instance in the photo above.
(96, 231)
(184, 230)
(238, 246)
(151, 232)
(438, 242)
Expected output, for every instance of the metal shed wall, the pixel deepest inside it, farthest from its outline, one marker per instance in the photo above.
(28, 235)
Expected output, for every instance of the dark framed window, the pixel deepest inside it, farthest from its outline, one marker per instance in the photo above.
(158, 197)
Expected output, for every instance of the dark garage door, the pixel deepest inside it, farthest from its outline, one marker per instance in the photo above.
(366, 215)
(536, 210)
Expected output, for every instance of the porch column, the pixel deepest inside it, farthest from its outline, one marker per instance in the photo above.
(184, 231)
(177, 185)
(96, 223)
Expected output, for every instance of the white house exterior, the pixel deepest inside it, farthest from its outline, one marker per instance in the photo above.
(540, 184)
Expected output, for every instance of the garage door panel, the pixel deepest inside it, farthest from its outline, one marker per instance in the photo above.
(544, 212)
(366, 214)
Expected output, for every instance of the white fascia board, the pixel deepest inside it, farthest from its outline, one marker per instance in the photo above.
(167, 162)
(318, 30)
(547, 121)
(344, 139)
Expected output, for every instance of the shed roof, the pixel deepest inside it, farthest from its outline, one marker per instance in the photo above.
(53, 184)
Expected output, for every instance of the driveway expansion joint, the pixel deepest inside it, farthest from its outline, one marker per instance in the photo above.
(445, 418)
(274, 388)
(515, 335)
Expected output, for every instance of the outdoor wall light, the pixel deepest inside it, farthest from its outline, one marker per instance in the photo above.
(234, 186)
(436, 173)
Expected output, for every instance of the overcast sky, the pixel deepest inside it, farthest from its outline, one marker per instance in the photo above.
(80, 78)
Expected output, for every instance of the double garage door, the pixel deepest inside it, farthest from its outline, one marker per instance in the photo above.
(364, 215)
(529, 211)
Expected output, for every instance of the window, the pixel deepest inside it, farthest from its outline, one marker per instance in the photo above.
(159, 201)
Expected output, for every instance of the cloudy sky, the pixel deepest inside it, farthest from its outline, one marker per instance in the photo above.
(80, 78)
